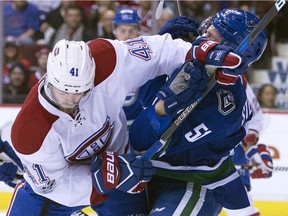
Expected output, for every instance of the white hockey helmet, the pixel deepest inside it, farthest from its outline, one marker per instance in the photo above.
(70, 67)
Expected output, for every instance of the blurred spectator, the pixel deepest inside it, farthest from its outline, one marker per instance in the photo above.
(42, 57)
(12, 55)
(126, 24)
(17, 90)
(267, 96)
(199, 10)
(91, 14)
(73, 27)
(167, 14)
(145, 12)
(21, 20)
(54, 19)
(105, 25)
(280, 33)
(104, 5)
(45, 7)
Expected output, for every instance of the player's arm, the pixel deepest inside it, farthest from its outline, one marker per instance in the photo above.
(127, 172)
(11, 169)
(256, 123)
(184, 86)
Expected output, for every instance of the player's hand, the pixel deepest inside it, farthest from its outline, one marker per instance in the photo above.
(229, 65)
(7, 149)
(185, 86)
(8, 172)
(261, 160)
(125, 172)
(182, 27)
(251, 138)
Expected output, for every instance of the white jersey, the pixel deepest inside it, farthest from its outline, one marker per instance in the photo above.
(256, 123)
(55, 148)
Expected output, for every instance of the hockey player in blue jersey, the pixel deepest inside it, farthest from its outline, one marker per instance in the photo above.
(196, 175)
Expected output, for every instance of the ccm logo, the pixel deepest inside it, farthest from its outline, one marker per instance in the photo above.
(110, 167)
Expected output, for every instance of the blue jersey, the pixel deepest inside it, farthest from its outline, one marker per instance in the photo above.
(210, 132)
(132, 106)
(200, 150)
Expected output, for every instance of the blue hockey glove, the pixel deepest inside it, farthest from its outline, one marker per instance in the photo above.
(6, 148)
(181, 27)
(125, 172)
(229, 65)
(184, 87)
(261, 160)
(8, 172)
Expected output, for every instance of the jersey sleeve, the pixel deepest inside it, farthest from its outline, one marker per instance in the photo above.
(147, 57)
(256, 123)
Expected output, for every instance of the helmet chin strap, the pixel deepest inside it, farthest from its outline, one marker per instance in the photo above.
(46, 92)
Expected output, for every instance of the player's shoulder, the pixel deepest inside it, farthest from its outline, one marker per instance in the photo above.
(31, 125)
(104, 55)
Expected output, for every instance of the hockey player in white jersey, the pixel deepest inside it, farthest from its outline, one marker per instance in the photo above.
(126, 25)
(196, 175)
(65, 121)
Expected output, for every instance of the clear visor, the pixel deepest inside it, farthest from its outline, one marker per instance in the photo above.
(65, 99)
(208, 30)
(205, 25)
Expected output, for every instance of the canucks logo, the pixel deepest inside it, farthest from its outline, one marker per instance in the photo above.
(226, 102)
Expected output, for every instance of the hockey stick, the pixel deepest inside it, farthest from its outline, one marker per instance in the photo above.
(179, 8)
(159, 9)
(275, 168)
(158, 148)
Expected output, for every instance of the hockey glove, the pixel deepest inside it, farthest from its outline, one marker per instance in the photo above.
(8, 172)
(182, 27)
(219, 57)
(7, 149)
(251, 138)
(262, 164)
(184, 87)
(125, 172)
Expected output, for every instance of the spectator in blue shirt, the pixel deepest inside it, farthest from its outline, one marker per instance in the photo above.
(21, 20)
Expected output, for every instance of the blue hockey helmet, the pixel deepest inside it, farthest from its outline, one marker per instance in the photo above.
(234, 25)
(126, 16)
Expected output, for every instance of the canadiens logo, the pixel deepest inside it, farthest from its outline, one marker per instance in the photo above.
(96, 143)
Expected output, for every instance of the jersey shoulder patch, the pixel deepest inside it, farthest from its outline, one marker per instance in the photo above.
(104, 55)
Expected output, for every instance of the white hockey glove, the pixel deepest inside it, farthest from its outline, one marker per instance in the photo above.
(261, 160)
